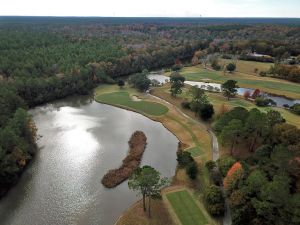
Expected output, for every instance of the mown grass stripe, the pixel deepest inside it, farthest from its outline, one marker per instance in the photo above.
(186, 208)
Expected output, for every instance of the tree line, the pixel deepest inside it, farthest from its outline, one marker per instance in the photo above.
(262, 182)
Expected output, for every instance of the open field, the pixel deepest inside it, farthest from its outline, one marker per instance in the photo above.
(187, 208)
(267, 84)
(248, 67)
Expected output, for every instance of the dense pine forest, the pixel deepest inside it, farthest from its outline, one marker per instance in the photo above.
(43, 59)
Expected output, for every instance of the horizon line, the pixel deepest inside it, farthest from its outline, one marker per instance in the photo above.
(188, 17)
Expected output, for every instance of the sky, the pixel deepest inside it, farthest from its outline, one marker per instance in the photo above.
(152, 8)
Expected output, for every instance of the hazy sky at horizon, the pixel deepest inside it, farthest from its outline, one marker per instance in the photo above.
(167, 8)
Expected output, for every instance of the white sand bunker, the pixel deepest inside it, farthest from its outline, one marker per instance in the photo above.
(135, 98)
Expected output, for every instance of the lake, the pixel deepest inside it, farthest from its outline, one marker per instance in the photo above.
(80, 140)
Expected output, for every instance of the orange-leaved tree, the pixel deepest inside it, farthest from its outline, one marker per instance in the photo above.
(234, 174)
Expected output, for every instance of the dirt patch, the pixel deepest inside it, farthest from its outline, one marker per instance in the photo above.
(136, 216)
(135, 98)
(137, 145)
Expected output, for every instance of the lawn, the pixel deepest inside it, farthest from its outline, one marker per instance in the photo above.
(195, 151)
(248, 67)
(271, 85)
(186, 208)
(123, 98)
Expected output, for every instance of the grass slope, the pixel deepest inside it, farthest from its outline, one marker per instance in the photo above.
(122, 98)
(186, 209)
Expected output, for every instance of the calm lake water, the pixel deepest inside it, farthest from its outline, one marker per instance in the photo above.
(81, 140)
(280, 101)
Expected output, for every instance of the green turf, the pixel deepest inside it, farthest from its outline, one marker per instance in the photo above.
(186, 208)
(122, 98)
(198, 74)
(195, 140)
(195, 151)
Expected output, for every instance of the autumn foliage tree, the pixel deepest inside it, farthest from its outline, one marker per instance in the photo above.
(255, 94)
(247, 94)
(234, 174)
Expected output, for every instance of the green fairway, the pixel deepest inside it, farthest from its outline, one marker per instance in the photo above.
(195, 151)
(186, 208)
(267, 84)
(122, 98)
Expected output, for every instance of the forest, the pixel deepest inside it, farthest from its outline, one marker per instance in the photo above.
(43, 59)
(262, 187)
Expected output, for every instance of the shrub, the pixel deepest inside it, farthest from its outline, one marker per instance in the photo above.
(186, 105)
(140, 81)
(192, 170)
(214, 200)
(216, 177)
(225, 164)
(216, 66)
(207, 111)
(263, 73)
(176, 67)
(296, 108)
(286, 105)
(184, 158)
(263, 102)
(231, 67)
(121, 83)
(287, 72)
(210, 165)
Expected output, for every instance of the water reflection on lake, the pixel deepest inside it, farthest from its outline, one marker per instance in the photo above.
(81, 140)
